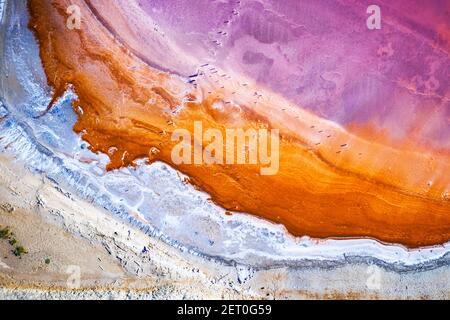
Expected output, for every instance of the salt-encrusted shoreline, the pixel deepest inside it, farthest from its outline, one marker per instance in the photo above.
(57, 225)
(110, 253)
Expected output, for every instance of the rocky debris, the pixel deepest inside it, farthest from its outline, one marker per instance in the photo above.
(7, 207)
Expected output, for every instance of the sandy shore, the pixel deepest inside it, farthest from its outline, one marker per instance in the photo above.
(78, 251)
(73, 234)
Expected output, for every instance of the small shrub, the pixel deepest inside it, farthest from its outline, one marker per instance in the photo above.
(19, 251)
(47, 261)
(5, 233)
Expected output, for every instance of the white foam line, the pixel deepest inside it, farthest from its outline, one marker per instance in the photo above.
(2, 7)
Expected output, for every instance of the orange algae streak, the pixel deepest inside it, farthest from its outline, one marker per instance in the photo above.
(330, 183)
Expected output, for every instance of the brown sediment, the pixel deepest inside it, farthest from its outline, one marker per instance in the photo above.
(330, 183)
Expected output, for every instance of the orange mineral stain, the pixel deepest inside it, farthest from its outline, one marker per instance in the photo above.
(330, 183)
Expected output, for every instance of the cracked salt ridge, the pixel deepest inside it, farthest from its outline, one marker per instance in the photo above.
(244, 239)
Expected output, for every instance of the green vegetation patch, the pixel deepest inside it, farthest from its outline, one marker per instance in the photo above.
(6, 234)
